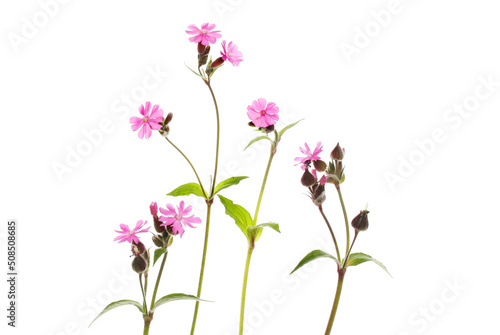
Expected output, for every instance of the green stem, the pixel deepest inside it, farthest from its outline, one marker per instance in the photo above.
(202, 270)
(347, 256)
(346, 220)
(187, 159)
(264, 183)
(331, 231)
(218, 139)
(147, 322)
(244, 290)
(143, 295)
(153, 301)
(336, 301)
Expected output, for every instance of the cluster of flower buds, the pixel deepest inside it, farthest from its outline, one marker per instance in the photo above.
(140, 264)
(335, 171)
(165, 129)
(164, 237)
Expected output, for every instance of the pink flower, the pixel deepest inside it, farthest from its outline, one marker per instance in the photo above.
(310, 156)
(176, 219)
(130, 235)
(263, 114)
(148, 121)
(153, 208)
(205, 35)
(231, 54)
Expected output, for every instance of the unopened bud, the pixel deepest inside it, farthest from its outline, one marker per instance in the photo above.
(157, 241)
(269, 129)
(153, 208)
(218, 62)
(307, 178)
(360, 221)
(168, 118)
(157, 223)
(139, 264)
(337, 153)
(319, 165)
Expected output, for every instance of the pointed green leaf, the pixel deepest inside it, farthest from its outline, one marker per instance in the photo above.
(228, 182)
(254, 232)
(257, 139)
(187, 189)
(240, 215)
(282, 131)
(158, 253)
(116, 304)
(193, 71)
(359, 257)
(174, 297)
(312, 256)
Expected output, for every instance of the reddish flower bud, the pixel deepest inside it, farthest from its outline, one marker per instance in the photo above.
(307, 178)
(360, 221)
(218, 62)
(139, 264)
(319, 165)
(337, 153)
(168, 118)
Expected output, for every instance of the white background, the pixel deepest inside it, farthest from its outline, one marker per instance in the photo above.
(436, 227)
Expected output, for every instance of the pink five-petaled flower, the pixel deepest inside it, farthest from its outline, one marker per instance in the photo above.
(176, 219)
(263, 114)
(148, 121)
(130, 235)
(231, 54)
(205, 35)
(310, 156)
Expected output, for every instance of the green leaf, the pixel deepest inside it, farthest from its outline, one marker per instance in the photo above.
(193, 71)
(312, 256)
(282, 131)
(158, 253)
(254, 232)
(187, 189)
(257, 139)
(359, 257)
(116, 304)
(174, 297)
(240, 215)
(228, 182)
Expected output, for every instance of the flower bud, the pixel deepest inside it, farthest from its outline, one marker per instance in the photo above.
(168, 118)
(269, 129)
(319, 165)
(203, 52)
(318, 195)
(157, 241)
(138, 248)
(157, 223)
(307, 178)
(139, 264)
(360, 221)
(153, 208)
(251, 124)
(218, 62)
(337, 153)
